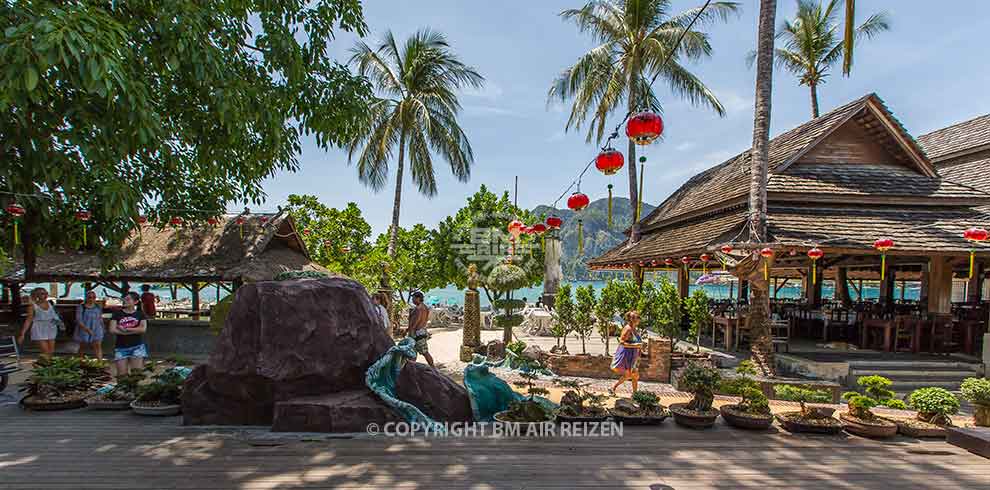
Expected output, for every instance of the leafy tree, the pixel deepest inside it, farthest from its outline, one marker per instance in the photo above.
(696, 306)
(563, 314)
(660, 306)
(584, 314)
(336, 238)
(477, 235)
(415, 265)
(633, 38)
(416, 111)
(605, 310)
(163, 108)
(812, 44)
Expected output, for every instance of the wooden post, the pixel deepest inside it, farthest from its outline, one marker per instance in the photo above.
(683, 277)
(887, 286)
(638, 275)
(974, 289)
(813, 291)
(859, 291)
(194, 288)
(939, 285)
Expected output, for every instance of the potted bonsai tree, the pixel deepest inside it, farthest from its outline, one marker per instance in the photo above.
(578, 404)
(119, 395)
(528, 410)
(643, 409)
(62, 383)
(753, 410)
(701, 381)
(161, 397)
(977, 392)
(808, 418)
(860, 419)
(935, 406)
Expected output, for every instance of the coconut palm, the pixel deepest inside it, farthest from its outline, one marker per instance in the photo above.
(633, 38)
(415, 112)
(812, 44)
(848, 37)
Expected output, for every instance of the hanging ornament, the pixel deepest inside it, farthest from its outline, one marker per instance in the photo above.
(16, 211)
(608, 162)
(767, 254)
(175, 221)
(814, 254)
(212, 221)
(554, 222)
(973, 235)
(610, 206)
(83, 216)
(644, 128)
(883, 245)
(577, 202)
(704, 262)
(240, 225)
(539, 229)
(327, 244)
(669, 262)
(515, 229)
(726, 249)
(686, 260)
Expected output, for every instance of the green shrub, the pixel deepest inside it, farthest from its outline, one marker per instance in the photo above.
(701, 381)
(976, 390)
(516, 347)
(647, 400)
(876, 393)
(934, 405)
(802, 396)
(166, 388)
(754, 401)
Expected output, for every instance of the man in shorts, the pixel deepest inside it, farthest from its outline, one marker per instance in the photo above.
(419, 316)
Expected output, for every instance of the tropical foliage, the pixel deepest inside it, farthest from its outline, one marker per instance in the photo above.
(415, 112)
(563, 315)
(934, 405)
(584, 314)
(103, 104)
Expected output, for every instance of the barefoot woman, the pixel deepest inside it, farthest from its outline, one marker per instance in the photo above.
(626, 357)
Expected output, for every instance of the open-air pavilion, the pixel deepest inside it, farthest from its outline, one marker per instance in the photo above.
(837, 183)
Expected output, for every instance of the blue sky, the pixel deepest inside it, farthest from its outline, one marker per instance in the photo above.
(930, 68)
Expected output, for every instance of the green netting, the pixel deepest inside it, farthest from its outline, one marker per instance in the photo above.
(381, 377)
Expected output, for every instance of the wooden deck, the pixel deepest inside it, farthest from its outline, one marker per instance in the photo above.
(102, 450)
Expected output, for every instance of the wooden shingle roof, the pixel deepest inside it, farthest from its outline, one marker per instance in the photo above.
(957, 138)
(862, 180)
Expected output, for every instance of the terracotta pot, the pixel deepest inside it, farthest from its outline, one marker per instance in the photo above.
(155, 410)
(742, 420)
(41, 405)
(793, 422)
(875, 429)
(981, 417)
(692, 419)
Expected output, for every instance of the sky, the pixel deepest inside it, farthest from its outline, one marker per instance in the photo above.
(930, 69)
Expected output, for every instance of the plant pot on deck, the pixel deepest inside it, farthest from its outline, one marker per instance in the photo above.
(45, 405)
(918, 428)
(794, 422)
(100, 403)
(627, 418)
(155, 408)
(877, 428)
(744, 420)
(981, 417)
(693, 419)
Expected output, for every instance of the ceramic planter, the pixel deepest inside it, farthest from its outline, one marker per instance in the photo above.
(794, 422)
(40, 405)
(693, 419)
(743, 420)
(145, 408)
(874, 429)
(96, 403)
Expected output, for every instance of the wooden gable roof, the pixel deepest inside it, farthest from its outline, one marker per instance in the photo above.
(971, 135)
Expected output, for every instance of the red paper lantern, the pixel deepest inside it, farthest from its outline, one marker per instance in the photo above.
(883, 244)
(644, 128)
(668, 261)
(554, 222)
(705, 257)
(516, 228)
(142, 219)
(239, 220)
(766, 252)
(263, 219)
(212, 221)
(976, 234)
(83, 216)
(815, 253)
(539, 228)
(175, 221)
(578, 201)
(685, 260)
(307, 231)
(15, 210)
(727, 249)
(609, 161)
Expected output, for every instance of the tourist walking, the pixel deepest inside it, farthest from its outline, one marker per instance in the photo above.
(129, 324)
(43, 321)
(148, 301)
(380, 302)
(89, 326)
(419, 316)
(626, 359)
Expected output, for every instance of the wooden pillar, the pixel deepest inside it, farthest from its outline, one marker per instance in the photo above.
(194, 288)
(859, 292)
(842, 287)
(939, 285)
(638, 274)
(683, 278)
(887, 286)
(974, 289)
(743, 290)
(813, 291)
(923, 293)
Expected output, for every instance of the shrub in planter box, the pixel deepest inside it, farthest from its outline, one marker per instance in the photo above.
(977, 391)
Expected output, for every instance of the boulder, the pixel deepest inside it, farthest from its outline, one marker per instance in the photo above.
(495, 349)
(345, 411)
(626, 405)
(534, 353)
(285, 340)
(438, 396)
(559, 349)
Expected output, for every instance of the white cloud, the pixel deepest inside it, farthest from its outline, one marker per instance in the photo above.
(733, 102)
(487, 110)
(490, 91)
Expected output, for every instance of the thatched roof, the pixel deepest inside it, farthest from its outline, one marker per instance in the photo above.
(264, 246)
(838, 181)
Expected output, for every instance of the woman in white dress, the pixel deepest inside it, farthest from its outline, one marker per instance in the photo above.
(43, 321)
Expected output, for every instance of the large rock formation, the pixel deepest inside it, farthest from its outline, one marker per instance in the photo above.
(345, 411)
(285, 340)
(439, 397)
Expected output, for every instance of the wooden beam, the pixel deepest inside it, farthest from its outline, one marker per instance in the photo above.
(940, 286)
(683, 281)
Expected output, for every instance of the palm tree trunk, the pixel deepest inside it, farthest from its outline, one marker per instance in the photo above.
(759, 308)
(814, 100)
(633, 181)
(393, 232)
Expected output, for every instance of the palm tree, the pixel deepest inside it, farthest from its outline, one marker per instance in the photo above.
(416, 111)
(848, 37)
(634, 38)
(812, 44)
(759, 312)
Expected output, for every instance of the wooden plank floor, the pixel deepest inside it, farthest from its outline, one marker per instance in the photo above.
(102, 450)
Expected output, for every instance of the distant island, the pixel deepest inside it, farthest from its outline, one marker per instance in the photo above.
(598, 236)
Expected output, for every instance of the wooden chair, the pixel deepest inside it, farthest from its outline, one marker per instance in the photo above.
(780, 334)
(8, 351)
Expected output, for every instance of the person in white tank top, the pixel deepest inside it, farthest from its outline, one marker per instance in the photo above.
(43, 321)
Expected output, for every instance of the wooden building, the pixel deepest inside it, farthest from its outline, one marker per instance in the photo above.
(838, 182)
